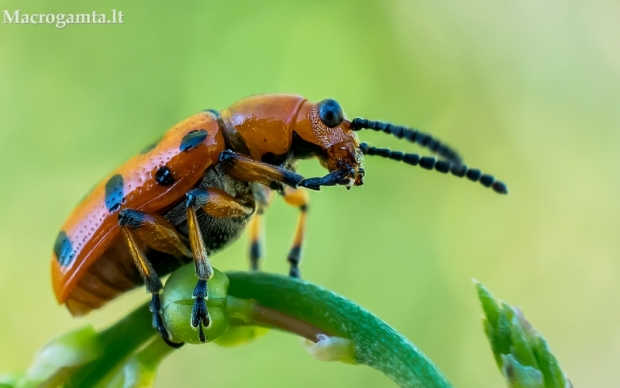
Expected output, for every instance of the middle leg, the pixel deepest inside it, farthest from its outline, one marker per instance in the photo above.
(216, 203)
(299, 199)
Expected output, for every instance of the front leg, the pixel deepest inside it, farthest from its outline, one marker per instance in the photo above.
(250, 170)
(337, 177)
(274, 177)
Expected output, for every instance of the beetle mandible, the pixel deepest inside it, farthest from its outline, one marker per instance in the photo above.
(191, 193)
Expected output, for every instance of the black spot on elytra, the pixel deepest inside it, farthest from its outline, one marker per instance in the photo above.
(114, 192)
(192, 139)
(163, 176)
(63, 249)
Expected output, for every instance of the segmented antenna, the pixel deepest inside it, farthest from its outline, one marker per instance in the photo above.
(442, 166)
(411, 135)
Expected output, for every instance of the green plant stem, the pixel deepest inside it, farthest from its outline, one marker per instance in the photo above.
(154, 353)
(291, 305)
(118, 341)
(376, 344)
(264, 316)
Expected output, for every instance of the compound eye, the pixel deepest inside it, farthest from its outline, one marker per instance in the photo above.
(330, 112)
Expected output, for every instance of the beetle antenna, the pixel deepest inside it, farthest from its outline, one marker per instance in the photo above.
(442, 166)
(411, 135)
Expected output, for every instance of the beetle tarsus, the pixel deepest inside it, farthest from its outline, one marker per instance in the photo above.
(294, 272)
(158, 322)
(294, 258)
(200, 318)
(200, 314)
(227, 157)
(337, 177)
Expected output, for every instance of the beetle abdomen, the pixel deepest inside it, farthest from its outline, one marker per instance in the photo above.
(115, 273)
(153, 181)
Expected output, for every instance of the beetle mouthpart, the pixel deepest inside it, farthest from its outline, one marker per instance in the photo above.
(359, 178)
(352, 177)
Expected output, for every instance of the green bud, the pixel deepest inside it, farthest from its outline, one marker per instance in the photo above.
(132, 373)
(139, 370)
(489, 305)
(521, 352)
(328, 348)
(521, 376)
(521, 346)
(10, 380)
(177, 302)
(55, 362)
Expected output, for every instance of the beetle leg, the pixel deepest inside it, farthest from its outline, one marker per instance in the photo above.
(216, 203)
(337, 177)
(256, 246)
(204, 271)
(152, 282)
(274, 177)
(155, 231)
(299, 199)
(263, 196)
(250, 170)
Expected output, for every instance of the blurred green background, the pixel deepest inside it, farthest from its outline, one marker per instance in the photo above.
(528, 91)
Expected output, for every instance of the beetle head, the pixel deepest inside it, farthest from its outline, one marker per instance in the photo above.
(324, 131)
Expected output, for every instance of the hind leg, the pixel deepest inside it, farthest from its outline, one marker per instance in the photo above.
(155, 231)
(263, 196)
(256, 241)
(299, 199)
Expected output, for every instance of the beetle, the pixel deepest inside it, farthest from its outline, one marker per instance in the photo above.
(191, 193)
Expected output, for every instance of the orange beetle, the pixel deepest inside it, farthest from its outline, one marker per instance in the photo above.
(192, 192)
